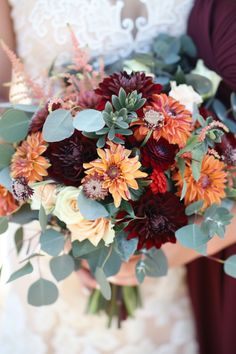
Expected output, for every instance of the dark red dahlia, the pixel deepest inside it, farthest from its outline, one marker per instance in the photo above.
(40, 116)
(67, 158)
(138, 81)
(160, 216)
(158, 154)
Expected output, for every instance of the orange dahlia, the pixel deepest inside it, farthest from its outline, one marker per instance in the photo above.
(210, 186)
(27, 161)
(7, 203)
(167, 118)
(118, 170)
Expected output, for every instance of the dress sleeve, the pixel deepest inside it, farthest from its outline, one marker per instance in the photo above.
(212, 25)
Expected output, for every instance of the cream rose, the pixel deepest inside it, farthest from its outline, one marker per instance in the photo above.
(44, 194)
(67, 210)
(186, 95)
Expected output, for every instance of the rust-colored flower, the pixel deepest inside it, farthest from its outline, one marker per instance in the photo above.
(210, 186)
(159, 182)
(7, 203)
(118, 170)
(167, 118)
(28, 161)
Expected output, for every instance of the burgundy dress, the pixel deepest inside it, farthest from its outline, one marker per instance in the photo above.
(212, 25)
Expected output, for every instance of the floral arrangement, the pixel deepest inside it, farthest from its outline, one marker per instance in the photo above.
(115, 165)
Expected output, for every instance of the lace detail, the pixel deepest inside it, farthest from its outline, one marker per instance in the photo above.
(41, 27)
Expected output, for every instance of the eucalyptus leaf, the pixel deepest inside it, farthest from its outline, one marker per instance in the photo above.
(26, 269)
(112, 264)
(24, 215)
(42, 293)
(194, 207)
(191, 236)
(14, 125)
(58, 126)
(89, 120)
(80, 249)
(103, 283)
(62, 266)
(5, 179)
(126, 248)
(43, 220)
(3, 224)
(6, 152)
(91, 209)
(230, 266)
(19, 239)
(52, 242)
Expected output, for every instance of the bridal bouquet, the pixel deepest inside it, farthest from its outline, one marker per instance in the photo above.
(116, 165)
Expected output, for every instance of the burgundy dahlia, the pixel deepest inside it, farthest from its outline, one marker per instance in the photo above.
(130, 82)
(160, 216)
(227, 149)
(40, 116)
(67, 158)
(158, 154)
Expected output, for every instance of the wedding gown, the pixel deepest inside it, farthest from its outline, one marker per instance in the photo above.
(164, 325)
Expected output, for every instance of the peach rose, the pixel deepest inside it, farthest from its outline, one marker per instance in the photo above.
(44, 194)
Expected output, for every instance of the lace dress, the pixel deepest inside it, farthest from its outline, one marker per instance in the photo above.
(165, 324)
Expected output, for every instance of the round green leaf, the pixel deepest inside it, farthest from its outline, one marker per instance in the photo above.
(62, 266)
(6, 152)
(191, 236)
(14, 126)
(194, 208)
(58, 126)
(3, 225)
(89, 120)
(42, 293)
(230, 266)
(90, 209)
(52, 242)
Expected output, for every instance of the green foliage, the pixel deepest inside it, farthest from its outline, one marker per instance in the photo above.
(222, 113)
(91, 209)
(125, 248)
(5, 178)
(19, 239)
(132, 102)
(24, 215)
(103, 283)
(80, 249)
(132, 298)
(192, 236)
(3, 224)
(216, 218)
(230, 266)
(14, 125)
(20, 107)
(43, 220)
(199, 83)
(89, 120)
(6, 152)
(153, 264)
(58, 126)
(193, 208)
(26, 269)
(62, 266)
(52, 242)
(42, 293)
(136, 193)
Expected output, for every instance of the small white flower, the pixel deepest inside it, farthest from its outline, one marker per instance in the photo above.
(186, 95)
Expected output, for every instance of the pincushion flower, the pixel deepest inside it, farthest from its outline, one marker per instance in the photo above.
(160, 215)
(7, 202)
(118, 170)
(211, 185)
(45, 195)
(28, 161)
(67, 210)
(186, 95)
(167, 119)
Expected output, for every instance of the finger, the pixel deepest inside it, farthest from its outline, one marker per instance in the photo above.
(86, 279)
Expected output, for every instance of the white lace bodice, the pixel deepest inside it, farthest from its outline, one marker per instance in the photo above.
(109, 28)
